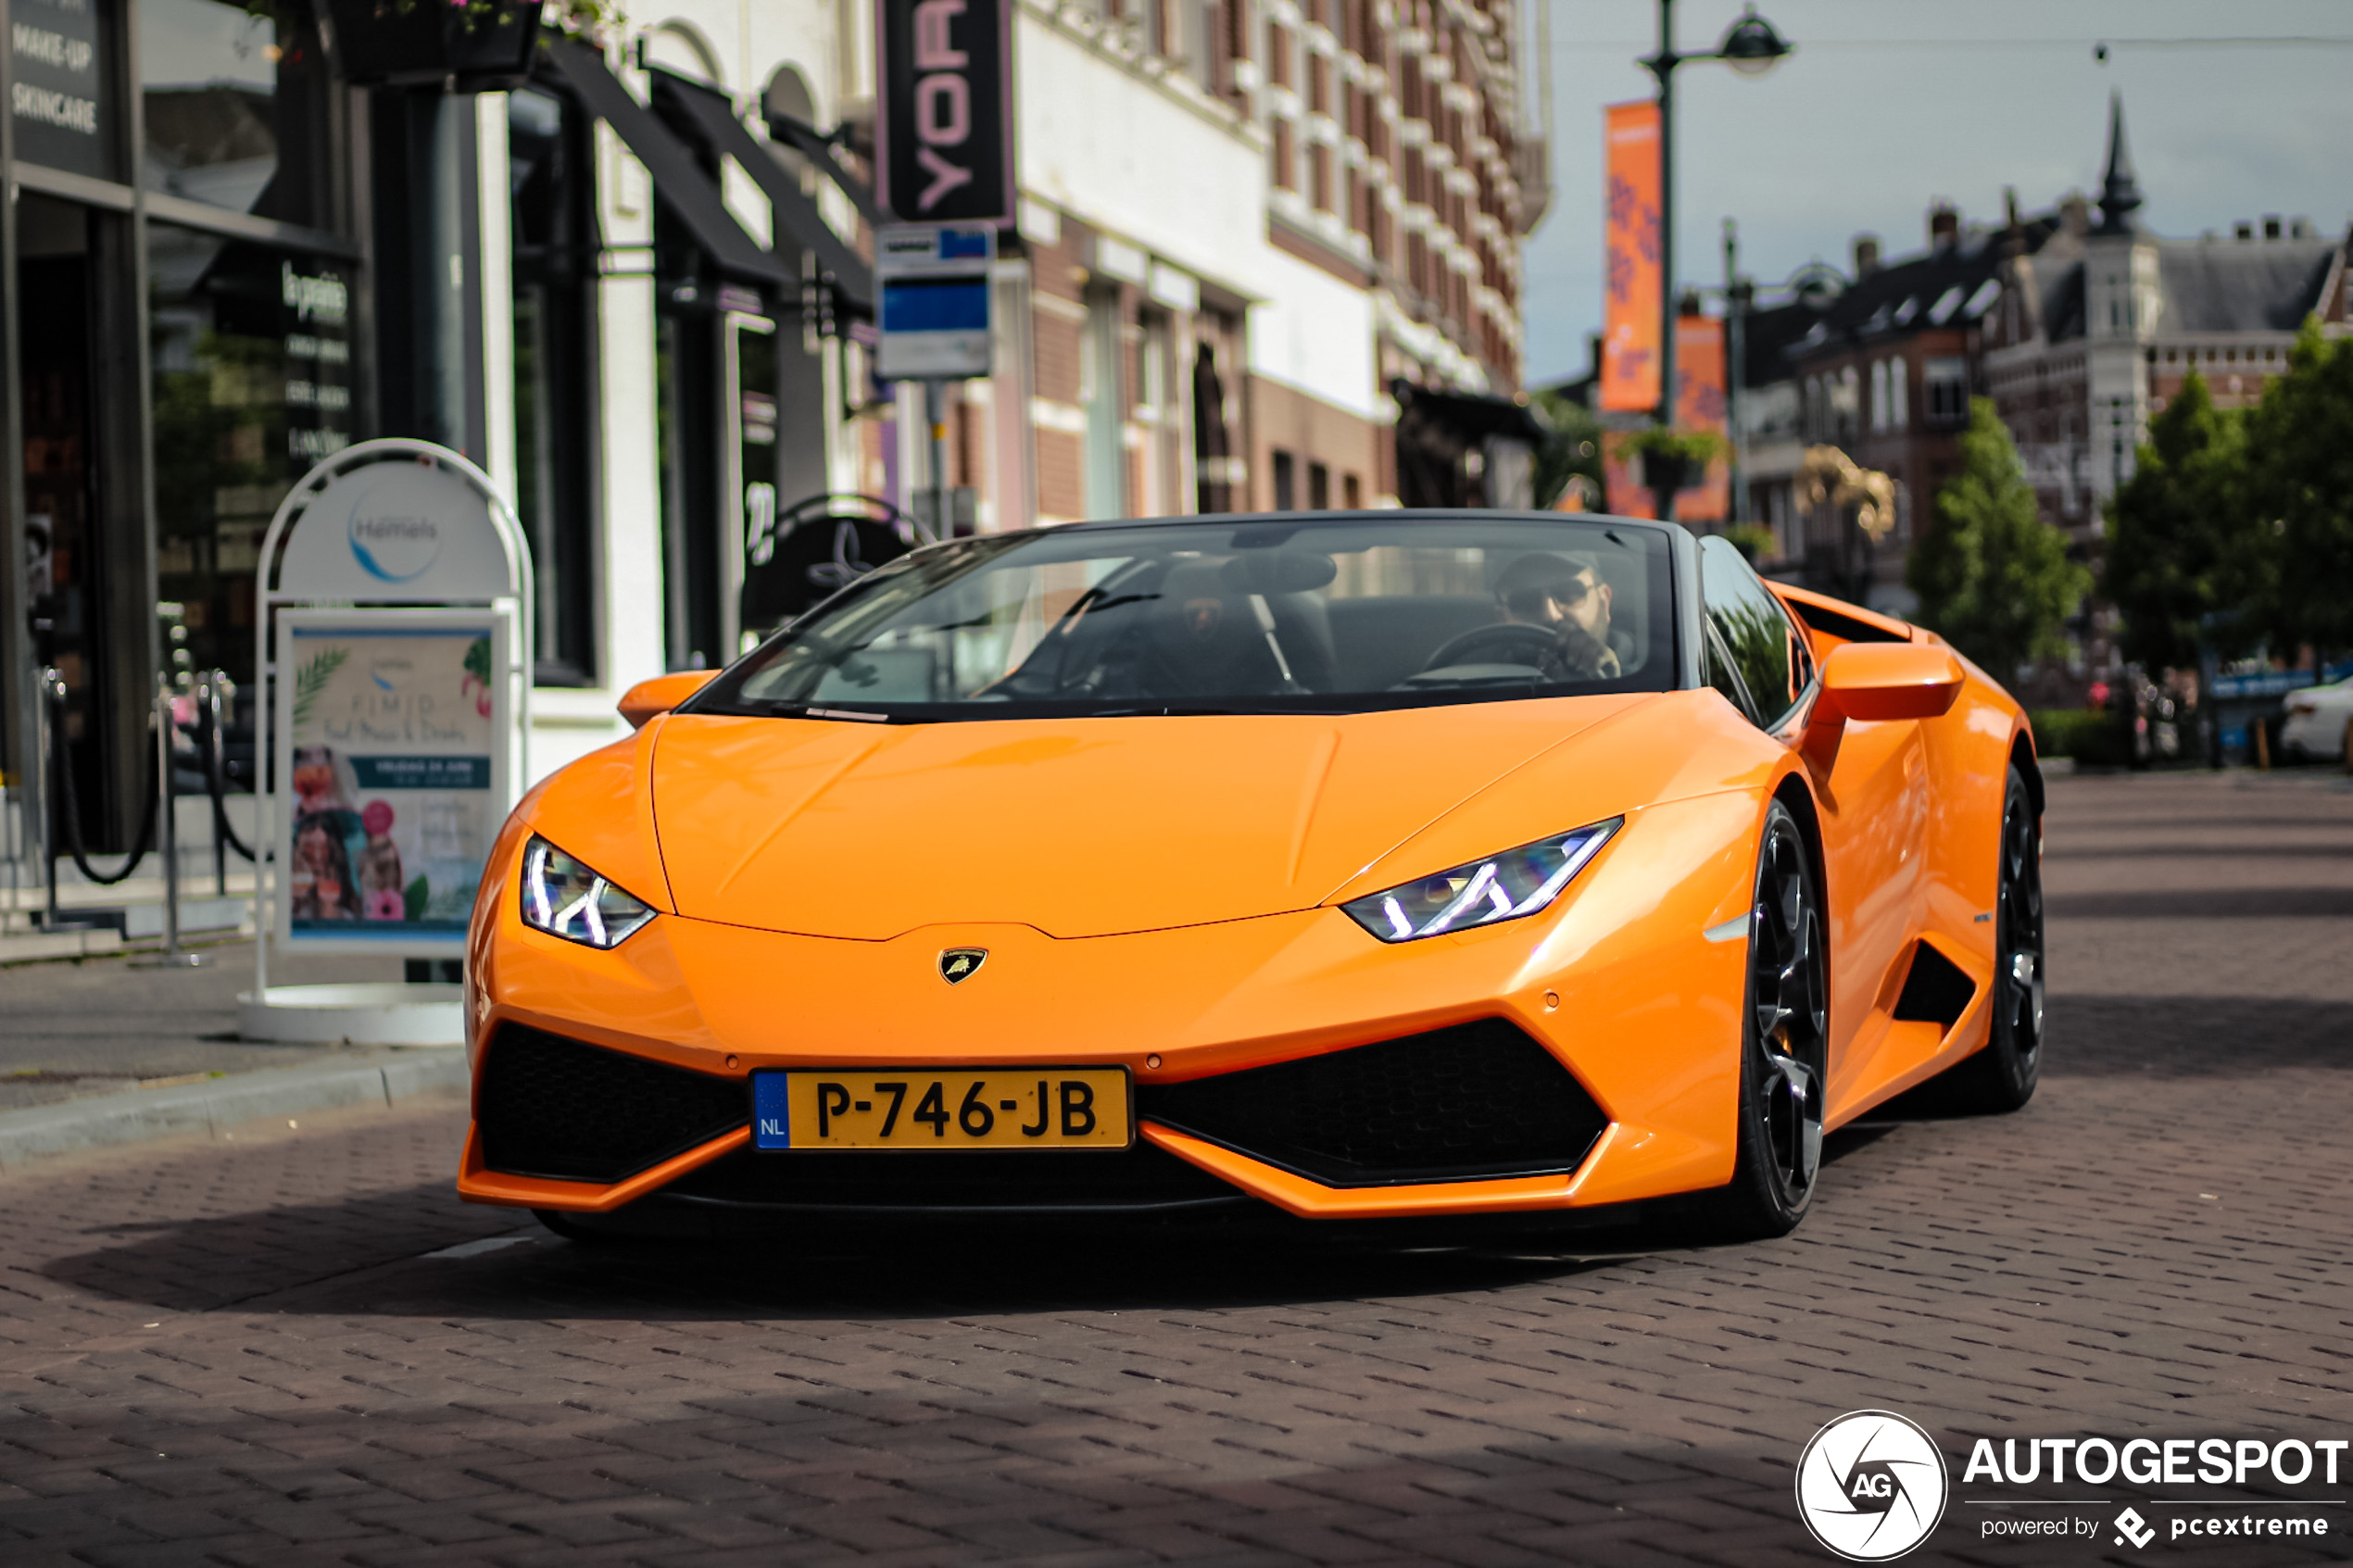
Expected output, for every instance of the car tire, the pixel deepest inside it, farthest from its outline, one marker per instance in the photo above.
(2001, 1078)
(1784, 1042)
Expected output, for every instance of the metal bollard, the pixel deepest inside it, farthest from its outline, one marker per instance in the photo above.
(52, 688)
(216, 779)
(167, 840)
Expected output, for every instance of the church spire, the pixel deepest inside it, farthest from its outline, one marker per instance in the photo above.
(2119, 192)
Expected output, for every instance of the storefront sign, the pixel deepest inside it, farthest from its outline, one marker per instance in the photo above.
(945, 123)
(391, 734)
(1632, 290)
(58, 64)
(393, 530)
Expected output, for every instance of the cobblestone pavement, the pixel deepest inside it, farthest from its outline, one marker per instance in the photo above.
(297, 1347)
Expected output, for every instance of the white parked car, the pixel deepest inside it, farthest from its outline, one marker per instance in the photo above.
(2316, 719)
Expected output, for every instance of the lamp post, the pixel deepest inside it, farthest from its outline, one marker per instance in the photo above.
(1751, 47)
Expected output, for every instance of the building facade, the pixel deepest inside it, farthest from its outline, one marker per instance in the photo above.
(635, 288)
(2102, 321)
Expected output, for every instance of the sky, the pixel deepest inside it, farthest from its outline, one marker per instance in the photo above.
(1888, 105)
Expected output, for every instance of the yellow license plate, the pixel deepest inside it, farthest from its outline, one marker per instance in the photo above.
(920, 1108)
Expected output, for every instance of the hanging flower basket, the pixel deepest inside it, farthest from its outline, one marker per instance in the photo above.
(476, 45)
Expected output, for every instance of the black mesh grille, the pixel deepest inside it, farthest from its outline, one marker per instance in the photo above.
(1074, 1180)
(1476, 1100)
(553, 1107)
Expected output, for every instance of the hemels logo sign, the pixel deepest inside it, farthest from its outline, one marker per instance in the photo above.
(945, 126)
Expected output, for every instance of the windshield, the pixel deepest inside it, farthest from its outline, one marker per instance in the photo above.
(1285, 614)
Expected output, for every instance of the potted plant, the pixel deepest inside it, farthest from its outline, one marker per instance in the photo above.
(476, 45)
(1674, 460)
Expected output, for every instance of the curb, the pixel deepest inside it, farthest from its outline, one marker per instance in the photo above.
(136, 1115)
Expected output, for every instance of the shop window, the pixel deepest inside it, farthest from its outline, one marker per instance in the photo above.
(1947, 385)
(1102, 392)
(555, 373)
(251, 361)
(58, 410)
(235, 103)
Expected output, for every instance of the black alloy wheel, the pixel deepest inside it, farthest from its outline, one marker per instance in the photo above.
(1785, 1048)
(2002, 1076)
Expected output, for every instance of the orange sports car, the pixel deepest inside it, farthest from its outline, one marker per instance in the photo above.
(1356, 865)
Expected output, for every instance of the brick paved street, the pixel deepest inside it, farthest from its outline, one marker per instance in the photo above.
(298, 1346)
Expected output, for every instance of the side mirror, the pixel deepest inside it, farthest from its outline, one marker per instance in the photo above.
(648, 698)
(1875, 681)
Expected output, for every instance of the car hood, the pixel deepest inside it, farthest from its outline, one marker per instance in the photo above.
(1081, 827)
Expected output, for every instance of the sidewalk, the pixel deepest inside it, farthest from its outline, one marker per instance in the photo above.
(101, 1052)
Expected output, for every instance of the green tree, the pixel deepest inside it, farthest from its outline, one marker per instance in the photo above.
(2184, 559)
(2299, 475)
(1572, 446)
(1993, 577)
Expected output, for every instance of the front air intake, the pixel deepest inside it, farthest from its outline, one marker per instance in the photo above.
(577, 1113)
(1473, 1102)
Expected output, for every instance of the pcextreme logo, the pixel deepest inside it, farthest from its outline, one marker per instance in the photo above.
(1871, 1486)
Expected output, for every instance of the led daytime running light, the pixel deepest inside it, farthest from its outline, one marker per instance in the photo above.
(1511, 885)
(565, 899)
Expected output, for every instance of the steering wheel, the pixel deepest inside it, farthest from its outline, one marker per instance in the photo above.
(1511, 642)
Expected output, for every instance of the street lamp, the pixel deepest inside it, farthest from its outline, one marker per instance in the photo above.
(1749, 47)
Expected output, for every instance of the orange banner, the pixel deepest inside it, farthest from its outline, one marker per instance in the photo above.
(1699, 370)
(1631, 287)
(1622, 489)
(1699, 404)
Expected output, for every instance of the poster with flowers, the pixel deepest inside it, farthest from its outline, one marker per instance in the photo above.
(393, 751)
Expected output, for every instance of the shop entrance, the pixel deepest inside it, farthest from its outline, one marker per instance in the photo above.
(68, 561)
(718, 412)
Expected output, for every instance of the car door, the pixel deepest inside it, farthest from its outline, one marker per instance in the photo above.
(1873, 806)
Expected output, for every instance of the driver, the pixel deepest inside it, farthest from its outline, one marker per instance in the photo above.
(1566, 595)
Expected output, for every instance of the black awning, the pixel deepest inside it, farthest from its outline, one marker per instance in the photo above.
(815, 145)
(676, 175)
(854, 277)
(1471, 415)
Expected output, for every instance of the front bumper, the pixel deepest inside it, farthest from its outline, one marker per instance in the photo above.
(1608, 1024)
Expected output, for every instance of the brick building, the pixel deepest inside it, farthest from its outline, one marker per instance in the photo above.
(2101, 322)
(1244, 224)
(1884, 373)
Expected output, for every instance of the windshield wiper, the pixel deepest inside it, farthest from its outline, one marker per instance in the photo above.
(808, 711)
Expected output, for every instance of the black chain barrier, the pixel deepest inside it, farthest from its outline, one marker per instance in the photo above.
(61, 779)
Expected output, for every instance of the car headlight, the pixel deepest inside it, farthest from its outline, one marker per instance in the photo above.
(1511, 885)
(565, 899)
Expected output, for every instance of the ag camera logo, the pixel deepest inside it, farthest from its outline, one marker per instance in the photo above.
(1871, 1486)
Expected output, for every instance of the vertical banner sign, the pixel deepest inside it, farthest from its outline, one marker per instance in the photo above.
(945, 124)
(1699, 404)
(1631, 286)
(1622, 491)
(1699, 368)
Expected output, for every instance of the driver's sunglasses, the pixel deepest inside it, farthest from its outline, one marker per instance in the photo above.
(1529, 602)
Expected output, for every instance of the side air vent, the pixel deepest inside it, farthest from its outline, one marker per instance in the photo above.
(577, 1113)
(1935, 991)
(1845, 628)
(1472, 1102)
